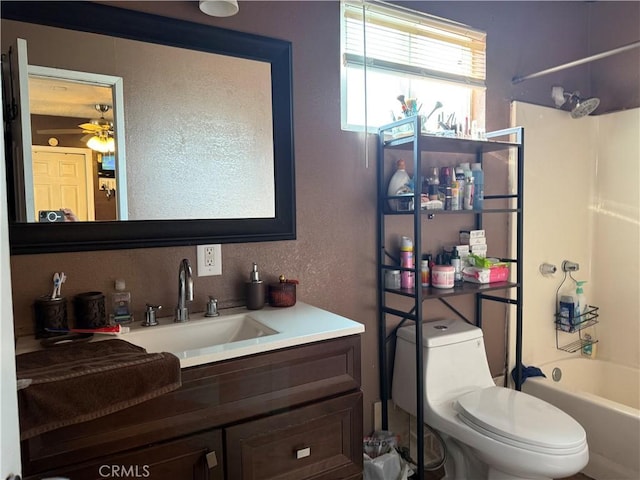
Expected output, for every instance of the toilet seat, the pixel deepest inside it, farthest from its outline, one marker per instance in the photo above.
(521, 420)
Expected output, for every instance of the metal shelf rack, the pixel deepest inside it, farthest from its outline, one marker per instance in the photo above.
(416, 144)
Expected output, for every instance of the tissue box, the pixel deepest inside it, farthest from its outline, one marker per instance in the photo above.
(497, 273)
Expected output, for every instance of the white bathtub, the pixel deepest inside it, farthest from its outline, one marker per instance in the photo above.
(605, 399)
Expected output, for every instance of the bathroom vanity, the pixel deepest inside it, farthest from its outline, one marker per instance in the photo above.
(293, 411)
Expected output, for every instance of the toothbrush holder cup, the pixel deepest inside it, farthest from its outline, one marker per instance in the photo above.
(50, 313)
(89, 310)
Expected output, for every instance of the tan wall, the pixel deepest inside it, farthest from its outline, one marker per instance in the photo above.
(334, 254)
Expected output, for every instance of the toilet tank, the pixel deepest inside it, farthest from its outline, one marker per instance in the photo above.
(454, 360)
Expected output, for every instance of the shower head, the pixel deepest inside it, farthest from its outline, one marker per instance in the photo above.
(580, 106)
(584, 107)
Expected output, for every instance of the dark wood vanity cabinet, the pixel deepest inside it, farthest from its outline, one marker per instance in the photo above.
(196, 457)
(294, 413)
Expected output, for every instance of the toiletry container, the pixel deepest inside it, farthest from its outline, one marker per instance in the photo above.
(50, 313)
(398, 184)
(283, 293)
(121, 304)
(433, 183)
(255, 290)
(89, 310)
(590, 344)
(460, 188)
(442, 276)
(582, 300)
(424, 272)
(456, 263)
(407, 277)
(478, 186)
(467, 203)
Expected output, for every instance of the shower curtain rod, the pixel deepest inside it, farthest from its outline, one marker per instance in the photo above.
(575, 63)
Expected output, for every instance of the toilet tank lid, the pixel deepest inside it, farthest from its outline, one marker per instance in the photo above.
(441, 332)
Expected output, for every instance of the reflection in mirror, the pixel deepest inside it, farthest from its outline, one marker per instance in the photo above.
(200, 102)
(203, 150)
(69, 112)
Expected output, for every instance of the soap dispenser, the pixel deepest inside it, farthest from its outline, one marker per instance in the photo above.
(255, 290)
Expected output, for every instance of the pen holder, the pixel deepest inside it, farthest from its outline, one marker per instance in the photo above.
(50, 313)
(89, 310)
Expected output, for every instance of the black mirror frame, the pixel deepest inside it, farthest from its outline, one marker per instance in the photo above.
(29, 238)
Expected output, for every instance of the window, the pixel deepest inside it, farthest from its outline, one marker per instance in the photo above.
(389, 51)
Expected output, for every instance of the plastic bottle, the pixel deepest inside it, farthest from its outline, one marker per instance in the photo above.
(467, 203)
(398, 183)
(460, 185)
(424, 272)
(457, 265)
(121, 304)
(582, 299)
(433, 182)
(568, 307)
(478, 186)
(589, 348)
(407, 277)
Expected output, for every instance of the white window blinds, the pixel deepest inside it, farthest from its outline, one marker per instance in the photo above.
(413, 43)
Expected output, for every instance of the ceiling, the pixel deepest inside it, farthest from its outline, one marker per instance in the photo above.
(63, 98)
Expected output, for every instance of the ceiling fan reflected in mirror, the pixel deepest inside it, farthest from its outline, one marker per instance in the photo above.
(101, 132)
(98, 133)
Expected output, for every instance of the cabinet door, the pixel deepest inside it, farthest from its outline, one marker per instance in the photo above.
(320, 441)
(198, 457)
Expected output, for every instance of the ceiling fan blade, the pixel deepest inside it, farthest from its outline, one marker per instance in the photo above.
(59, 131)
(92, 127)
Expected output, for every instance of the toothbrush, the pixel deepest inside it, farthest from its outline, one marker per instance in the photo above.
(56, 285)
(63, 278)
(108, 330)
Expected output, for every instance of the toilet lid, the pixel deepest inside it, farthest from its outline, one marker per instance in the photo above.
(520, 417)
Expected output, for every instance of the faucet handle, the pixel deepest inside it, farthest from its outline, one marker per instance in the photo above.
(150, 319)
(212, 307)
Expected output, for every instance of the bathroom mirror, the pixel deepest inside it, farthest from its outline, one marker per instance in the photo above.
(272, 56)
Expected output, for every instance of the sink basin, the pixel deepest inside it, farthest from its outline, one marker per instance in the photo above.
(199, 332)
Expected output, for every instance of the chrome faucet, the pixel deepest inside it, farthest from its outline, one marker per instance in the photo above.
(185, 291)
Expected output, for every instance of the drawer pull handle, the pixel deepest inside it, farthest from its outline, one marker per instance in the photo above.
(212, 460)
(303, 452)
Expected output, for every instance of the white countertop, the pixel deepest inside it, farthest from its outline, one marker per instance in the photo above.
(285, 327)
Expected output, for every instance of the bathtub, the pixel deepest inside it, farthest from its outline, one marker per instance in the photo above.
(604, 398)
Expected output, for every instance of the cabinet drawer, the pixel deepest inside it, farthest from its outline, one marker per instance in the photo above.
(198, 457)
(320, 441)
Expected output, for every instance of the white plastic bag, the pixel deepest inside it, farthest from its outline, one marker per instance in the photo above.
(381, 459)
(389, 466)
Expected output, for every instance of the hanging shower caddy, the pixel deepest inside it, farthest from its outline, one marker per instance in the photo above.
(578, 324)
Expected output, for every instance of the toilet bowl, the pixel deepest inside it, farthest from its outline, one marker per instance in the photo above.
(489, 432)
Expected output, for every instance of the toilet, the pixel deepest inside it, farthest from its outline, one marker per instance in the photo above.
(490, 432)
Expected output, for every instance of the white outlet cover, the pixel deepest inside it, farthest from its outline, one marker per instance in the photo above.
(209, 260)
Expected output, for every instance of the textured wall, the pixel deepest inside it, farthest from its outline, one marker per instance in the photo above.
(334, 254)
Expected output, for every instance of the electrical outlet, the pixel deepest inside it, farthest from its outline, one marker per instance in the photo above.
(209, 260)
